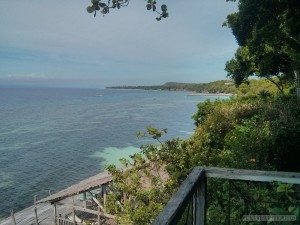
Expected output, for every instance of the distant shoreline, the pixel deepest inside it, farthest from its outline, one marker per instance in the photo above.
(216, 88)
(190, 94)
(210, 94)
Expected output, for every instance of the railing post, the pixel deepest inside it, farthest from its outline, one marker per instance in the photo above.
(55, 214)
(73, 215)
(13, 217)
(84, 200)
(103, 193)
(199, 203)
(35, 211)
(99, 219)
(73, 212)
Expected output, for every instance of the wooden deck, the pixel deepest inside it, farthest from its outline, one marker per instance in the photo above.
(83, 186)
(66, 197)
(44, 211)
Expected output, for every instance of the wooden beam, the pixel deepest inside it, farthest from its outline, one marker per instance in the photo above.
(179, 200)
(103, 193)
(253, 175)
(63, 221)
(35, 212)
(96, 201)
(199, 206)
(84, 199)
(13, 217)
(55, 214)
(73, 215)
(85, 210)
(99, 219)
(83, 186)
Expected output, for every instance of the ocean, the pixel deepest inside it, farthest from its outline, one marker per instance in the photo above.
(51, 138)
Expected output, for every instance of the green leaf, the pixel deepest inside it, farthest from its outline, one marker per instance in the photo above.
(95, 2)
(165, 14)
(149, 7)
(164, 8)
(90, 9)
(278, 211)
(295, 211)
(104, 10)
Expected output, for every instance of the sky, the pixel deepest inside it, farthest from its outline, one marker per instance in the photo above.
(58, 44)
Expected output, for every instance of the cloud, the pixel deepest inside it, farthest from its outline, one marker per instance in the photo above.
(26, 76)
(61, 38)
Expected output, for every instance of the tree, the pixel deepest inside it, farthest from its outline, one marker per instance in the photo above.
(104, 7)
(268, 33)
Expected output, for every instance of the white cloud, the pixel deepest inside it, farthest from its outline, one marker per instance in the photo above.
(25, 76)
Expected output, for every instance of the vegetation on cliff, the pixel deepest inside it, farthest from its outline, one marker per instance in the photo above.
(256, 132)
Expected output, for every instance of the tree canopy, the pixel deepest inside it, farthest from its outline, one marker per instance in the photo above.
(268, 33)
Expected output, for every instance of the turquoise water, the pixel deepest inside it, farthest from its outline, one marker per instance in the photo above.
(52, 138)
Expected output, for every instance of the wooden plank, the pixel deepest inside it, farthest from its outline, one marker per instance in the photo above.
(55, 214)
(13, 218)
(63, 221)
(99, 219)
(103, 193)
(199, 206)
(84, 199)
(96, 201)
(81, 187)
(176, 204)
(36, 216)
(86, 210)
(73, 215)
(26, 216)
(35, 212)
(253, 175)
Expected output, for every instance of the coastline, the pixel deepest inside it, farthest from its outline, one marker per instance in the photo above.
(216, 88)
(209, 94)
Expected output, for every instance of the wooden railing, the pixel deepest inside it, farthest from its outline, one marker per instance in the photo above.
(193, 190)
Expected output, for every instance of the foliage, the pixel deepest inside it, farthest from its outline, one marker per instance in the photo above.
(236, 130)
(268, 33)
(144, 183)
(104, 7)
(204, 109)
(250, 132)
(261, 87)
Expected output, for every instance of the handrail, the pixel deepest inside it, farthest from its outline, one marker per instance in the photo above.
(175, 206)
(252, 175)
(195, 186)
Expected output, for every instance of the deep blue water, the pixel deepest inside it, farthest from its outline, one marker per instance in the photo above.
(51, 138)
